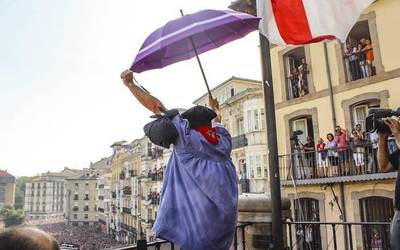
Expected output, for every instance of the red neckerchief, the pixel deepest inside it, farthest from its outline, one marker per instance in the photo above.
(209, 133)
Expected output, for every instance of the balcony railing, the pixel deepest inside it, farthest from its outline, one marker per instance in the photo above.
(304, 235)
(239, 141)
(127, 190)
(307, 235)
(357, 162)
(155, 175)
(126, 210)
(357, 66)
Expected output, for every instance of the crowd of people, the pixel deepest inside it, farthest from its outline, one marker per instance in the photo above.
(360, 56)
(298, 79)
(87, 237)
(341, 153)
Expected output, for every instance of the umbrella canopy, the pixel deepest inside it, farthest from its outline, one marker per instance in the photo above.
(208, 29)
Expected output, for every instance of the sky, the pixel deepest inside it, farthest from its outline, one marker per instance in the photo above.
(62, 103)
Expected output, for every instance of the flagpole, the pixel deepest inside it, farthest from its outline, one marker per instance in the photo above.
(274, 178)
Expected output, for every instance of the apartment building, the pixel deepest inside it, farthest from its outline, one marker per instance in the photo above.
(45, 195)
(7, 189)
(316, 88)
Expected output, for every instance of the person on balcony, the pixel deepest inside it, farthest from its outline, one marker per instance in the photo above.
(309, 149)
(369, 56)
(350, 54)
(331, 147)
(303, 80)
(358, 146)
(361, 61)
(322, 159)
(343, 149)
(198, 206)
(294, 82)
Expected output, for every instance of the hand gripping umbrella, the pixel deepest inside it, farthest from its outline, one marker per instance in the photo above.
(190, 35)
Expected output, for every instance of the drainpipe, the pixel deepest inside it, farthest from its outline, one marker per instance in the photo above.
(330, 88)
(334, 123)
(342, 200)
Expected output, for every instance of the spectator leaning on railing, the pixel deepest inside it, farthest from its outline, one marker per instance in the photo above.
(390, 162)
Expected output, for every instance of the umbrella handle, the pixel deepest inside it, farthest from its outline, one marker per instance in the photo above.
(199, 62)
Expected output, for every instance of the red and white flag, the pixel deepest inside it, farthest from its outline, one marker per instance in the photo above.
(308, 21)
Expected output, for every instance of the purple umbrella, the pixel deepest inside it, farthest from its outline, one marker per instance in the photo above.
(190, 35)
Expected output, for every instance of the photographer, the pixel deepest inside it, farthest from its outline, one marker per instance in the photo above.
(390, 162)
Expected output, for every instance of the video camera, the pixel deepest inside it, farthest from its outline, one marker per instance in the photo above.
(295, 135)
(374, 120)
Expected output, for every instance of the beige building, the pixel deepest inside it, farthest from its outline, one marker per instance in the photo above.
(242, 110)
(353, 189)
(82, 193)
(7, 189)
(104, 199)
(45, 195)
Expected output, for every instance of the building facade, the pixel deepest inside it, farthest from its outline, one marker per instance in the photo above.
(104, 200)
(83, 193)
(242, 110)
(316, 88)
(7, 189)
(45, 197)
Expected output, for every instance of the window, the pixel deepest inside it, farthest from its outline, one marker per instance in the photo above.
(360, 112)
(75, 197)
(265, 166)
(76, 185)
(256, 127)
(307, 209)
(248, 120)
(232, 92)
(262, 119)
(301, 125)
(296, 68)
(376, 209)
(75, 216)
(240, 126)
(86, 216)
(251, 165)
(359, 52)
(258, 166)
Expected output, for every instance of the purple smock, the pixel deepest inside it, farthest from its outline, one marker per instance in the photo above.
(198, 206)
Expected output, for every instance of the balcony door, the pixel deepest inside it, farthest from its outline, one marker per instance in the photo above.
(308, 237)
(376, 209)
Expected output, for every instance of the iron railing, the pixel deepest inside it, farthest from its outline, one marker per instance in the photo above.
(302, 235)
(239, 141)
(330, 163)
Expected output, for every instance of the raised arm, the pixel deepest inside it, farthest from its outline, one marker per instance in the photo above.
(148, 101)
(214, 105)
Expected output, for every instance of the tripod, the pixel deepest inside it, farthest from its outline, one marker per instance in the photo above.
(298, 170)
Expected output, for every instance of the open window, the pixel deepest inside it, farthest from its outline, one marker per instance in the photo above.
(360, 112)
(359, 52)
(297, 73)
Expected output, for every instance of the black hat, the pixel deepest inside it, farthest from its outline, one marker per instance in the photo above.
(199, 116)
(162, 131)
